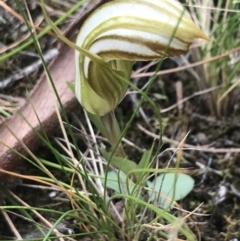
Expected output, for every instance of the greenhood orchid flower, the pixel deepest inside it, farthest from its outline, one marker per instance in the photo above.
(119, 33)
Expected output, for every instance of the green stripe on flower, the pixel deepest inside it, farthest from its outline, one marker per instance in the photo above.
(123, 31)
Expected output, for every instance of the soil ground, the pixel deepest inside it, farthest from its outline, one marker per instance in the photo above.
(216, 174)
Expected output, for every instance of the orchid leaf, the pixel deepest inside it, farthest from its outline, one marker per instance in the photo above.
(170, 187)
(121, 163)
(119, 183)
(144, 163)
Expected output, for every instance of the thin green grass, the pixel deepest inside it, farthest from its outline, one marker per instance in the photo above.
(30, 41)
(221, 21)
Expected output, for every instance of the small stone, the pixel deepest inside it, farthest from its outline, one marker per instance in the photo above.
(23, 28)
(202, 138)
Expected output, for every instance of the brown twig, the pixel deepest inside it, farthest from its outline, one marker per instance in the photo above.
(181, 68)
(19, 17)
(39, 112)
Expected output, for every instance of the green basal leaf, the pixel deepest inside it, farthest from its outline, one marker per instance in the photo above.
(144, 162)
(118, 182)
(123, 164)
(175, 186)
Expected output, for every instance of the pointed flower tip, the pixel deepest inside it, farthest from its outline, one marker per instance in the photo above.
(202, 35)
(196, 31)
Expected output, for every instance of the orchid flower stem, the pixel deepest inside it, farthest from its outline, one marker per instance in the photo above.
(113, 132)
(109, 127)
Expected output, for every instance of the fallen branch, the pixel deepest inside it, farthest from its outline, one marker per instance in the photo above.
(18, 130)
